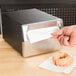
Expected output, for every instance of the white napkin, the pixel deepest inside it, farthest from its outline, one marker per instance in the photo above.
(48, 64)
(41, 34)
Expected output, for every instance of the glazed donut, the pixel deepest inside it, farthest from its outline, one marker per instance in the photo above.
(62, 59)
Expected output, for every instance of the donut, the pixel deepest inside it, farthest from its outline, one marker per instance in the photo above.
(62, 59)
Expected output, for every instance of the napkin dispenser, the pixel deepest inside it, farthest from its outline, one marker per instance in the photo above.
(29, 31)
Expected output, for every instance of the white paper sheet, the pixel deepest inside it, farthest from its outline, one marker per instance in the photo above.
(41, 34)
(48, 64)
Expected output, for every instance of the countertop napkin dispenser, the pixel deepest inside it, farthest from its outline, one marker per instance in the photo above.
(29, 31)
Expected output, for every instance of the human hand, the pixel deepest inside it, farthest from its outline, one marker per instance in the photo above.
(66, 35)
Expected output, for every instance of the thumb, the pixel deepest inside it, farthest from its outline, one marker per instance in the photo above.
(57, 33)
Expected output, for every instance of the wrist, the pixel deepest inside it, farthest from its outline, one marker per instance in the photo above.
(74, 26)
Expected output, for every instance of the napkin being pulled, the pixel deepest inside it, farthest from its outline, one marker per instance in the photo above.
(48, 64)
(41, 34)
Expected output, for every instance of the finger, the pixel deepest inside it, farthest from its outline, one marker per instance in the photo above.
(66, 41)
(60, 38)
(73, 38)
